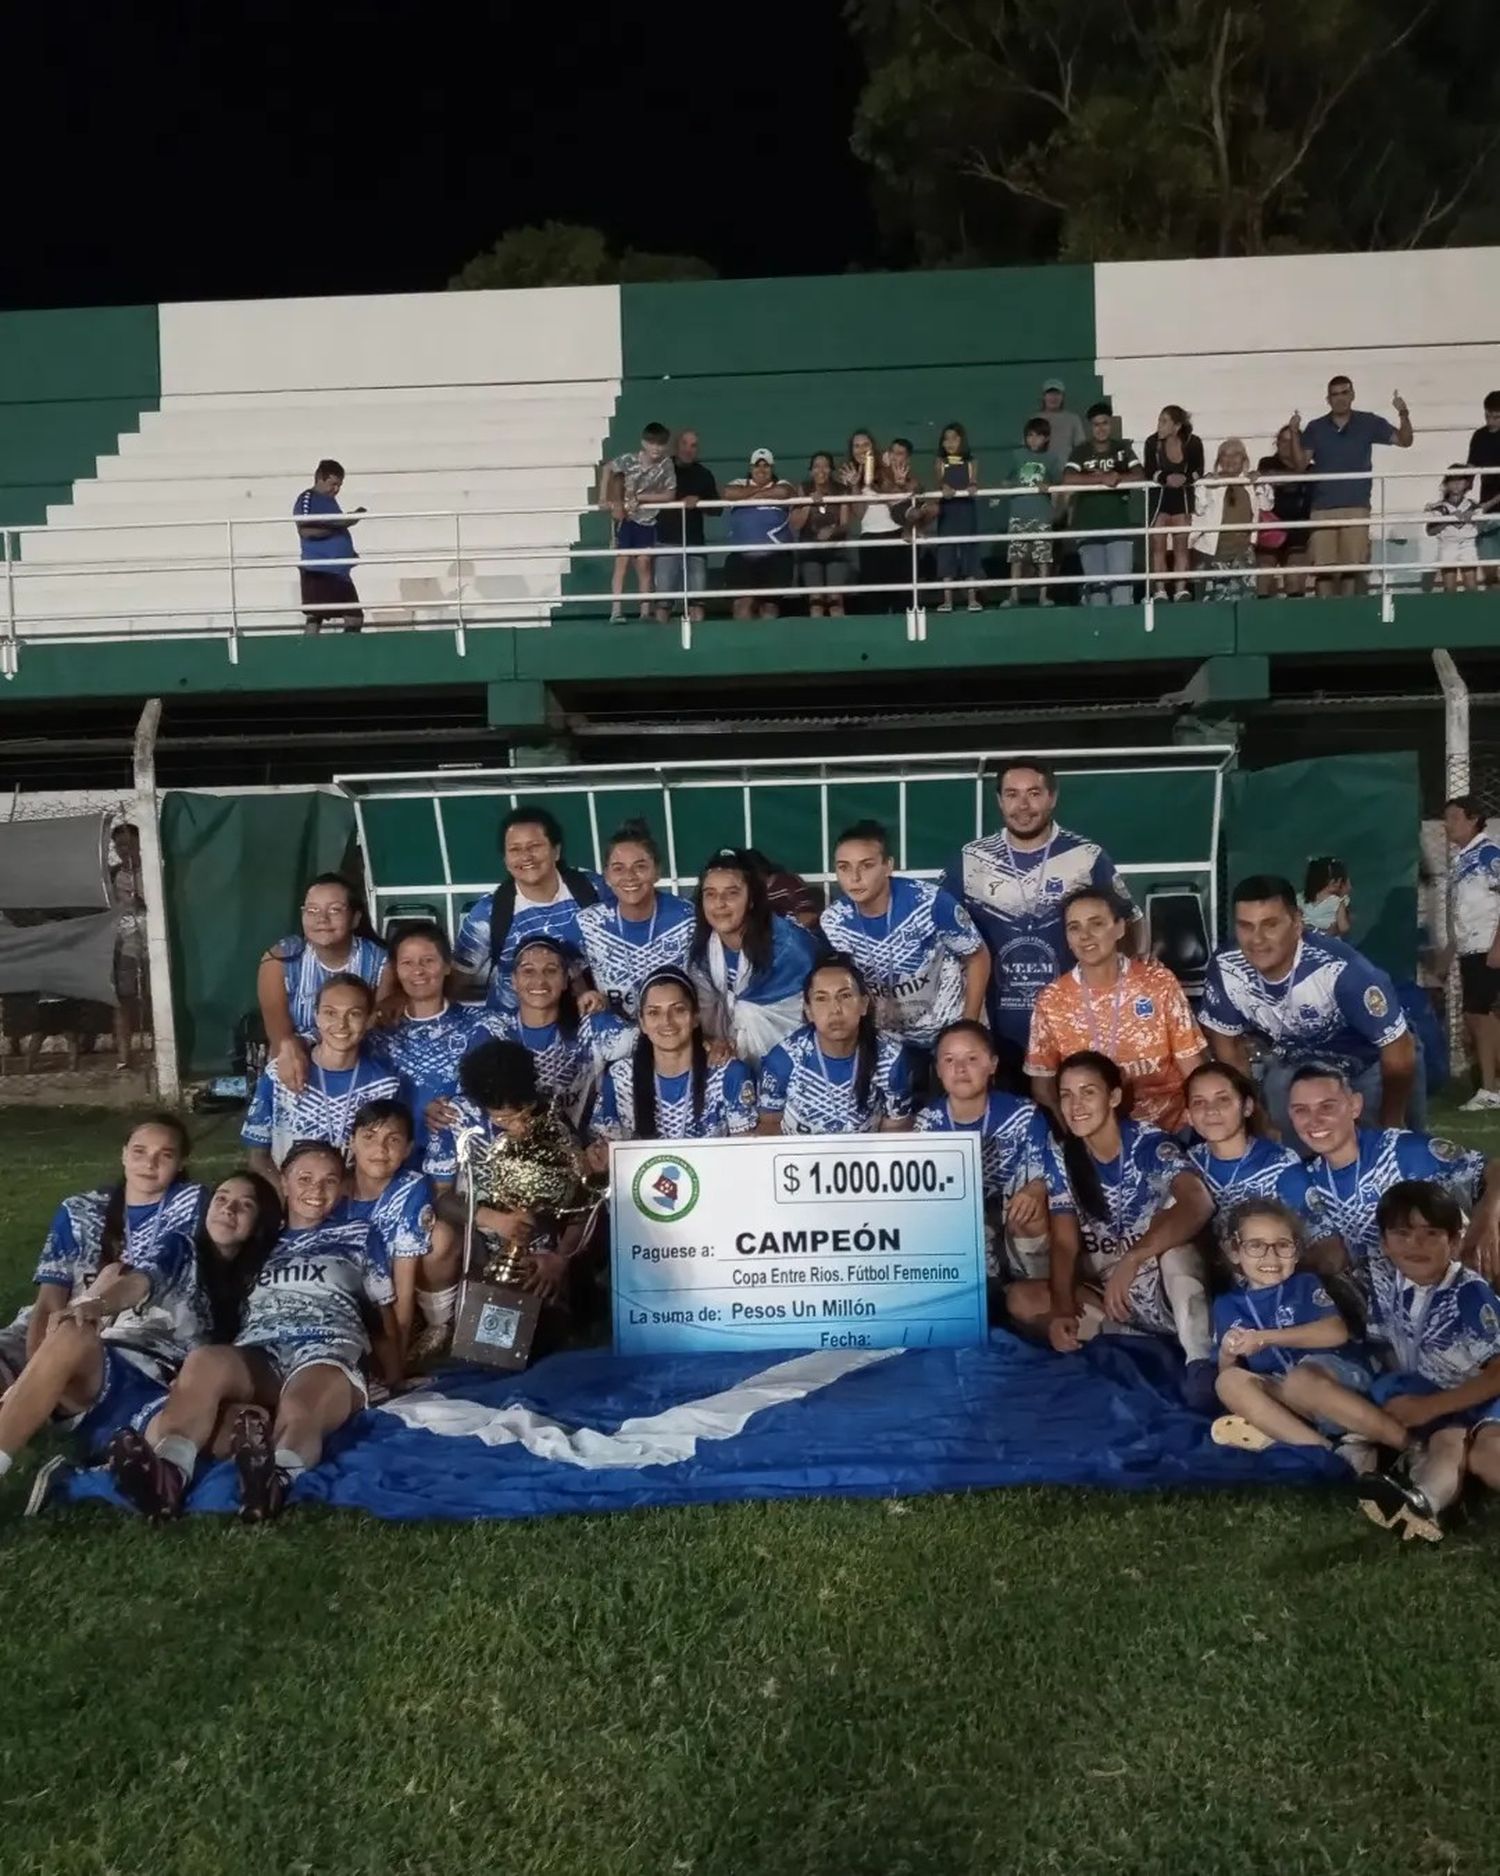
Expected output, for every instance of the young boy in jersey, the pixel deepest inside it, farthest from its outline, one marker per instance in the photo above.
(1440, 1322)
(1284, 1373)
(631, 488)
(418, 1248)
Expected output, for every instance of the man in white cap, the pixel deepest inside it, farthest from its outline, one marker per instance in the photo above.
(759, 570)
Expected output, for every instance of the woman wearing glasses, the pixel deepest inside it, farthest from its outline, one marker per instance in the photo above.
(335, 941)
(835, 1074)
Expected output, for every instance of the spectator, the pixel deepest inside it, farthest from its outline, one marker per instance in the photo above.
(682, 528)
(957, 513)
(327, 552)
(1484, 453)
(1454, 528)
(1474, 937)
(540, 897)
(1100, 465)
(131, 973)
(1068, 430)
(867, 474)
(822, 522)
(1281, 543)
(1174, 462)
(759, 525)
(1227, 508)
(788, 894)
(1325, 897)
(1032, 515)
(628, 486)
(1343, 441)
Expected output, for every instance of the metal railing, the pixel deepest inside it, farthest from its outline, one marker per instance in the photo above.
(85, 599)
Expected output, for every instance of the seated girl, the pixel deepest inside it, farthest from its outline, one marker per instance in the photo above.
(342, 1076)
(1440, 1325)
(113, 1351)
(835, 1074)
(644, 931)
(570, 1051)
(300, 1356)
(749, 966)
(406, 1234)
(335, 940)
(668, 1089)
(1125, 1209)
(1013, 1137)
(1287, 1372)
(419, 1033)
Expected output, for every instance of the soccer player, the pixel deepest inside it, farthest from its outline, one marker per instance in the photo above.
(300, 1355)
(915, 945)
(1232, 1160)
(426, 1039)
(644, 931)
(1474, 896)
(1285, 1370)
(1311, 997)
(1352, 1166)
(570, 1050)
(1126, 1208)
(1013, 884)
(334, 941)
(1441, 1324)
(836, 1074)
(749, 966)
(1013, 1138)
(542, 897)
(668, 1088)
(1131, 1009)
(342, 1075)
(418, 1248)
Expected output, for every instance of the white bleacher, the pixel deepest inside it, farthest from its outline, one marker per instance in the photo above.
(1243, 343)
(482, 403)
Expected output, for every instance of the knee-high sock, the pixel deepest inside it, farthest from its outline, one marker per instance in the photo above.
(1182, 1278)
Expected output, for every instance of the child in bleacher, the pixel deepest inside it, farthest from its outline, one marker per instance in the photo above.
(1456, 531)
(631, 488)
(1032, 514)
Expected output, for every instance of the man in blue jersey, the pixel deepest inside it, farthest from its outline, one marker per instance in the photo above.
(1474, 937)
(916, 947)
(1014, 883)
(328, 593)
(1310, 997)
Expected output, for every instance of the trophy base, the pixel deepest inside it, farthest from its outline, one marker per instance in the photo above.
(496, 1324)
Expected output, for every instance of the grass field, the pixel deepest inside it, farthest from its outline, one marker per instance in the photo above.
(1011, 1682)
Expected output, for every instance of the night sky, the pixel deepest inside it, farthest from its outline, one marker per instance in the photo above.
(174, 152)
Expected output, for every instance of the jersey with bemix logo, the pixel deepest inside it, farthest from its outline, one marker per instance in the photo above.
(1013, 1136)
(307, 1299)
(70, 1257)
(1015, 899)
(1136, 1186)
(911, 957)
(1474, 888)
(399, 1219)
(1333, 1004)
(1445, 1332)
(1343, 1199)
(1288, 1305)
(304, 973)
(567, 1066)
(623, 953)
(815, 1092)
(557, 918)
(729, 1105)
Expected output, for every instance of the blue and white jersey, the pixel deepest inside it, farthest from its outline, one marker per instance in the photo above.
(71, 1259)
(1137, 1185)
(325, 1109)
(754, 1009)
(558, 918)
(304, 974)
(1263, 1171)
(176, 1317)
(912, 956)
(728, 1104)
(1341, 1200)
(1333, 1004)
(308, 1298)
(1014, 898)
(814, 1092)
(1288, 1305)
(399, 1219)
(330, 553)
(1474, 894)
(1445, 1332)
(1013, 1136)
(568, 1067)
(427, 1050)
(623, 952)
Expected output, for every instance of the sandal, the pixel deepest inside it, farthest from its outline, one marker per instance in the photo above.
(1235, 1430)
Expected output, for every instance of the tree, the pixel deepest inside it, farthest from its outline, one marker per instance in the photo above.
(1007, 130)
(561, 254)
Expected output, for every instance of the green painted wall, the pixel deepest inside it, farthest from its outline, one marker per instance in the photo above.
(70, 383)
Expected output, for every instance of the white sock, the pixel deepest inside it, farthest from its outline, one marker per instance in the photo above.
(6, 1462)
(179, 1452)
(289, 1462)
(437, 1306)
(1182, 1278)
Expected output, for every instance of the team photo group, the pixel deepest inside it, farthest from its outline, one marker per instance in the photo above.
(1246, 1179)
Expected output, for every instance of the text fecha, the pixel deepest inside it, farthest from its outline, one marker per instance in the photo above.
(817, 1243)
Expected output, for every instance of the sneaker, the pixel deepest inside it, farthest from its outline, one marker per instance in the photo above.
(947, 606)
(616, 615)
(1044, 601)
(263, 1485)
(1480, 1101)
(43, 1484)
(1389, 1499)
(1199, 1386)
(976, 604)
(1234, 1430)
(152, 1484)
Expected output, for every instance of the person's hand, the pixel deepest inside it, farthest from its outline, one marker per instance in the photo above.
(514, 1227)
(1481, 1249)
(545, 1275)
(1026, 1215)
(1117, 1287)
(1111, 478)
(439, 1113)
(1398, 404)
(691, 501)
(1239, 1342)
(595, 1156)
(617, 510)
(1412, 1410)
(592, 1002)
(1294, 423)
(292, 1059)
(720, 1053)
(1062, 1333)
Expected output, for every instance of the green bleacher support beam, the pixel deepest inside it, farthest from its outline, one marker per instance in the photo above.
(521, 704)
(1242, 679)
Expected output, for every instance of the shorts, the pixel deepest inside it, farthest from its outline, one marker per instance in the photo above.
(1480, 984)
(632, 536)
(1489, 537)
(1341, 536)
(1456, 547)
(762, 572)
(671, 572)
(1148, 1300)
(129, 1397)
(321, 591)
(1025, 550)
(816, 573)
(292, 1356)
(1487, 1413)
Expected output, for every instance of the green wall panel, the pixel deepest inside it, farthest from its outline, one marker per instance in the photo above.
(401, 843)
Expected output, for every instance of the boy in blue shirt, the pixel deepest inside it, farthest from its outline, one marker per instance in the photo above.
(328, 593)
